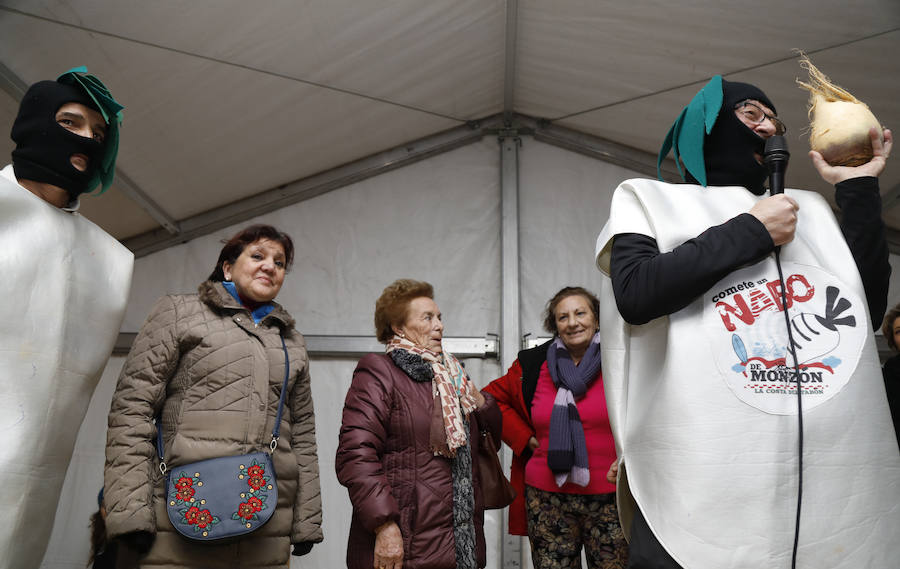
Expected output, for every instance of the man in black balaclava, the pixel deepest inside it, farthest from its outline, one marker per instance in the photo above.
(686, 315)
(66, 139)
(733, 149)
(65, 287)
(730, 153)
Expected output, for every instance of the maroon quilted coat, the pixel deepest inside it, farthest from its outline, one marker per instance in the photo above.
(383, 459)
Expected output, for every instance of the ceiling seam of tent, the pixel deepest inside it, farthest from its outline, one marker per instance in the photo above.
(296, 191)
(729, 73)
(299, 190)
(236, 65)
(495, 125)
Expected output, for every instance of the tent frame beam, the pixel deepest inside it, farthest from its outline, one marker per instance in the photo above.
(510, 295)
(499, 125)
(337, 346)
(306, 188)
(297, 191)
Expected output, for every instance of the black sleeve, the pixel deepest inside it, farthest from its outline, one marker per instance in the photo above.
(648, 284)
(863, 228)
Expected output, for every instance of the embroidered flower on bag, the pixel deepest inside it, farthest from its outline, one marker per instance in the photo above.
(245, 511)
(257, 480)
(190, 515)
(205, 518)
(256, 476)
(184, 494)
(184, 489)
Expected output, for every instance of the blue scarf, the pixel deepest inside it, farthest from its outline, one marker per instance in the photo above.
(257, 313)
(567, 454)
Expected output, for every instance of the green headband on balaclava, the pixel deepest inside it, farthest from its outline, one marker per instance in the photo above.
(112, 114)
(43, 147)
(714, 145)
(685, 137)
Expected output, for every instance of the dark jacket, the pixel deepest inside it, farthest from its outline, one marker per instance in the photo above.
(891, 373)
(384, 460)
(514, 393)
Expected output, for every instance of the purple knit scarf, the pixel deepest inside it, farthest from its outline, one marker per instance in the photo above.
(567, 453)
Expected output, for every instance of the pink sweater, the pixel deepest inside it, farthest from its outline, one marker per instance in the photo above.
(597, 433)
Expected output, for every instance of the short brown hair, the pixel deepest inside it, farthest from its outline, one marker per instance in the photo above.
(887, 328)
(239, 241)
(392, 307)
(566, 292)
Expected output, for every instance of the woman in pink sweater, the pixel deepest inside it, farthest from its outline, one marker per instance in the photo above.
(555, 420)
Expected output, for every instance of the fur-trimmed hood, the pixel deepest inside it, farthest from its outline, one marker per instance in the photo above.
(214, 294)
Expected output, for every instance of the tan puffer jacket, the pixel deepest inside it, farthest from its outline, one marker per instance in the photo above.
(216, 378)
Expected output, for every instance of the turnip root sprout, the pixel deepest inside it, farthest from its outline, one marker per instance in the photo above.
(839, 122)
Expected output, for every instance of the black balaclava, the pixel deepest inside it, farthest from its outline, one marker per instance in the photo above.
(44, 148)
(728, 149)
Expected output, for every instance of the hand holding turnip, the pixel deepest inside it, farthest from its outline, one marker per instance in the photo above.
(778, 214)
(840, 124)
(874, 167)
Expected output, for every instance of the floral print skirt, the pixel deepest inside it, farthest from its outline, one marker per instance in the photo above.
(559, 525)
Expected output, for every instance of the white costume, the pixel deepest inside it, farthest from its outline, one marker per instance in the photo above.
(66, 283)
(705, 414)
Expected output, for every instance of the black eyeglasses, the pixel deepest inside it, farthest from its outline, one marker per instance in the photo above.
(754, 113)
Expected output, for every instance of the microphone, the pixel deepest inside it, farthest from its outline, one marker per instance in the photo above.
(776, 157)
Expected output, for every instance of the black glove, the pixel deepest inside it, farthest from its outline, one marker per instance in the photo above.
(302, 548)
(139, 541)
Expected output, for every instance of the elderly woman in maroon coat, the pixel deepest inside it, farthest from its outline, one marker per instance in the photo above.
(410, 435)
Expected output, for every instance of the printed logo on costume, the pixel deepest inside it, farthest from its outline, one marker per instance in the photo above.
(744, 319)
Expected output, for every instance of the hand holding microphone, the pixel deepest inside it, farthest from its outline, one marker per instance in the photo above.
(778, 212)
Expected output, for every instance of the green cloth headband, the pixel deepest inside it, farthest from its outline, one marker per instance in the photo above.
(112, 114)
(685, 138)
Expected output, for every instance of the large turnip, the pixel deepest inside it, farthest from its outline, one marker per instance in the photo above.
(839, 122)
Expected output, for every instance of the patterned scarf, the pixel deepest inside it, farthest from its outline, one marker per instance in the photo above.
(452, 390)
(567, 452)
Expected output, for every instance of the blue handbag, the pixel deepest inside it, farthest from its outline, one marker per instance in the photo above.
(226, 497)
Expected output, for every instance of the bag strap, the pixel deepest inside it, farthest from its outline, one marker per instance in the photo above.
(275, 432)
(287, 367)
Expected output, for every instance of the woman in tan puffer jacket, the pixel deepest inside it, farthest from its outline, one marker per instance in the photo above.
(212, 365)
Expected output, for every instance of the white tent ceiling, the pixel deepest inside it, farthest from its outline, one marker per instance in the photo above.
(234, 107)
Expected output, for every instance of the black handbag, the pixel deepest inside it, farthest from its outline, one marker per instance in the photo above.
(226, 497)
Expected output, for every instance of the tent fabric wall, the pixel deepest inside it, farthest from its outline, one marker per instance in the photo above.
(437, 220)
(564, 201)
